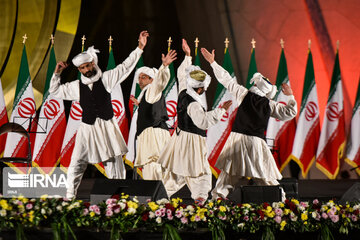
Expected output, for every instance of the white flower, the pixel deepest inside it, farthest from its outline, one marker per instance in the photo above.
(3, 212)
(64, 203)
(49, 211)
(43, 211)
(131, 210)
(162, 201)
(158, 219)
(151, 214)
(59, 208)
(122, 205)
(241, 225)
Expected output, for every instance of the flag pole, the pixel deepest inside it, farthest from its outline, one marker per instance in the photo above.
(196, 44)
(83, 42)
(110, 39)
(282, 43)
(24, 38)
(226, 44)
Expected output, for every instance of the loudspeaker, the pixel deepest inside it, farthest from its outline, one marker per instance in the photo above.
(260, 194)
(291, 187)
(142, 189)
(351, 195)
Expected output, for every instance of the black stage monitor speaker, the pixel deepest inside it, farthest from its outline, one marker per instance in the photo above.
(143, 189)
(351, 195)
(260, 194)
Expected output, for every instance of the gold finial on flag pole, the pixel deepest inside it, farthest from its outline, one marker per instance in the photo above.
(309, 43)
(282, 43)
(169, 43)
(196, 42)
(52, 38)
(83, 42)
(337, 45)
(253, 42)
(110, 40)
(24, 38)
(226, 42)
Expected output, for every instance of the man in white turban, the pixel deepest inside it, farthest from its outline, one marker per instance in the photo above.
(246, 153)
(152, 132)
(185, 157)
(98, 137)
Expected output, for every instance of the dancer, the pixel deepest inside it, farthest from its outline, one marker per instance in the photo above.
(152, 131)
(185, 157)
(98, 138)
(246, 153)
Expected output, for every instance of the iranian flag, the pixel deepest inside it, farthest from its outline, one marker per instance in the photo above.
(135, 92)
(23, 113)
(51, 126)
(3, 119)
(308, 128)
(280, 134)
(332, 139)
(68, 143)
(353, 145)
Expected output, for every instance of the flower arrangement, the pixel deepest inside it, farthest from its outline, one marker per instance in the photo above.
(121, 214)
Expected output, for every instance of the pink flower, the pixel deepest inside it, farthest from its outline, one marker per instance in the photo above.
(354, 218)
(117, 210)
(178, 214)
(109, 213)
(29, 206)
(197, 218)
(184, 220)
(170, 217)
(315, 201)
(278, 211)
(110, 201)
(162, 210)
(158, 213)
(168, 211)
(85, 211)
(334, 218)
(277, 219)
(324, 215)
(246, 218)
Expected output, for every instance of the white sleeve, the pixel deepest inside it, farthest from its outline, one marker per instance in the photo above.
(202, 119)
(153, 94)
(117, 75)
(181, 74)
(223, 76)
(283, 112)
(67, 91)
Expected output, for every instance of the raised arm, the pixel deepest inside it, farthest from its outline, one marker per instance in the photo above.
(181, 73)
(223, 76)
(281, 111)
(67, 91)
(204, 120)
(122, 71)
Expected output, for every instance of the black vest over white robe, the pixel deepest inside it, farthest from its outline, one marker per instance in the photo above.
(185, 123)
(151, 115)
(252, 116)
(95, 103)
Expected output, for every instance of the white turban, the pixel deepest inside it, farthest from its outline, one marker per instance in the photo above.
(264, 85)
(192, 83)
(151, 72)
(88, 56)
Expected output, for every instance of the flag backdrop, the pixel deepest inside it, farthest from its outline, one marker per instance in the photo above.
(332, 139)
(353, 144)
(3, 119)
(308, 127)
(51, 126)
(217, 134)
(23, 112)
(279, 134)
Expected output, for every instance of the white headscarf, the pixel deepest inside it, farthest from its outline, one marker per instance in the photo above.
(264, 85)
(151, 72)
(88, 56)
(193, 83)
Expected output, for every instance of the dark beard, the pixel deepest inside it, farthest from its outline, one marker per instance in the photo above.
(90, 74)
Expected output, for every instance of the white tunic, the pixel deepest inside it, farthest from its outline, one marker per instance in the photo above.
(245, 155)
(102, 140)
(152, 140)
(186, 153)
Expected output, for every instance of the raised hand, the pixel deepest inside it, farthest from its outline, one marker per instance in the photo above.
(169, 58)
(186, 48)
(286, 89)
(210, 57)
(60, 66)
(143, 39)
(226, 105)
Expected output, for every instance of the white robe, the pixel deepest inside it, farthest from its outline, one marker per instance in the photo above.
(102, 140)
(244, 155)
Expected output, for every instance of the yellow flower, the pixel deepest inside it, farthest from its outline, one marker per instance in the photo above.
(175, 202)
(92, 214)
(211, 204)
(44, 197)
(132, 204)
(124, 196)
(304, 216)
(4, 204)
(222, 209)
(268, 209)
(192, 218)
(305, 223)
(153, 206)
(282, 205)
(295, 201)
(286, 211)
(282, 225)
